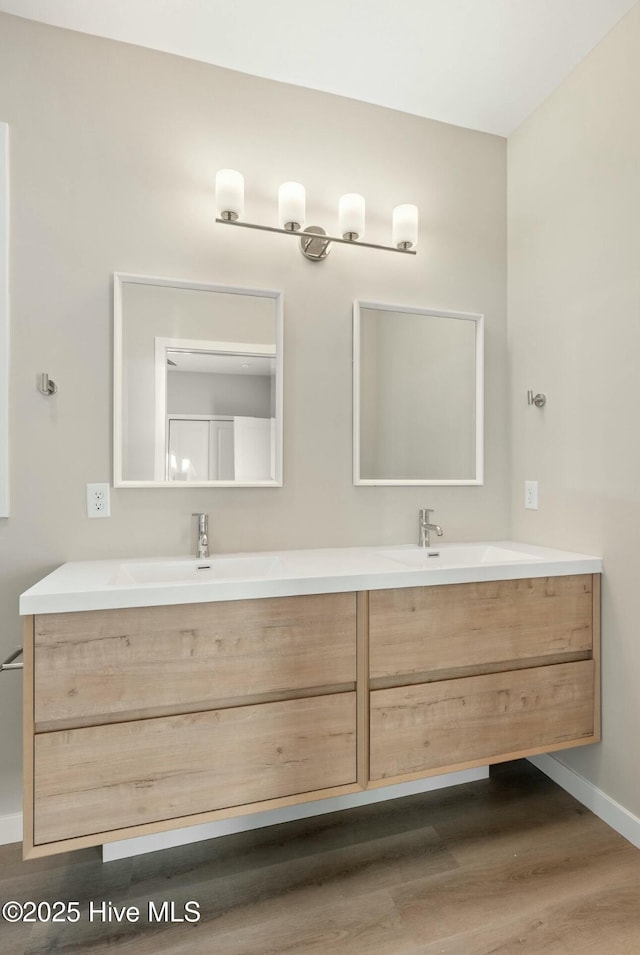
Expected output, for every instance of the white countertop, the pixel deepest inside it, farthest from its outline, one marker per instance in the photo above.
(156, 581)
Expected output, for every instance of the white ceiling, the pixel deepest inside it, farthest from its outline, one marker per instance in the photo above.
(213, 363)
(483, 64)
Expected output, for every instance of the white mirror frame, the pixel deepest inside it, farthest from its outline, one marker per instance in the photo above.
(479, 393)
(121, 278)
(4, 320)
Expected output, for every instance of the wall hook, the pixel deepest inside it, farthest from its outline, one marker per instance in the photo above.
(538, 400)
(47, 386)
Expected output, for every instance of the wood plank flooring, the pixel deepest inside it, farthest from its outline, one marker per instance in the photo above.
(498, 867)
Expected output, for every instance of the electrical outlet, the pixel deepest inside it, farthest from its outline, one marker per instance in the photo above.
(98, 500)
(531, 495)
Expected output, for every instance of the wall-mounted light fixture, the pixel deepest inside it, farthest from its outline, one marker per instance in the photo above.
(314, 241)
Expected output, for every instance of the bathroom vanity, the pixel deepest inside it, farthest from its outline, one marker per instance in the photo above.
(167, 693)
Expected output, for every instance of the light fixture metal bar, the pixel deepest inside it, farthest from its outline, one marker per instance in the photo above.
(301, 234)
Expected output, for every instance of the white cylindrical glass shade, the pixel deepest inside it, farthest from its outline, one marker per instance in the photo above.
(351, 216)
(229, 194)
(291, 206)
(405, 227)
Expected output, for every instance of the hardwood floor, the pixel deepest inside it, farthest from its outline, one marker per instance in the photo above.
(504, 866)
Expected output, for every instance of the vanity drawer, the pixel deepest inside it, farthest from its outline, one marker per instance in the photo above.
(420, 631)
(126, 774)
(99, 666)
(423, 727)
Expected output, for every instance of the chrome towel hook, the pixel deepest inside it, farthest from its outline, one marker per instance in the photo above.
(538, 400)
(47, 386)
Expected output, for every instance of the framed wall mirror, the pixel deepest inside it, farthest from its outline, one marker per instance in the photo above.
(197, 384)
(418, 392)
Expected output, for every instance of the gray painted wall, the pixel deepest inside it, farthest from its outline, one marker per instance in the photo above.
(114, 150)
(198, 393)
(574, 333)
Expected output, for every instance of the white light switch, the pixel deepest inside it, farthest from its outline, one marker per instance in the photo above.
(531, 495)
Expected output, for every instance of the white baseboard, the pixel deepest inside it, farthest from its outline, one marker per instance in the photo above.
(212, 830)
(10, 828)
(603, 806)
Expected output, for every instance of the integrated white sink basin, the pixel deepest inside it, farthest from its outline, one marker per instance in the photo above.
(159, 571)
(161, 581)
(457, 555)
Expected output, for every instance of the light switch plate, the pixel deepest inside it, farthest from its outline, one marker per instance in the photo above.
(98, 504)
(531, 495)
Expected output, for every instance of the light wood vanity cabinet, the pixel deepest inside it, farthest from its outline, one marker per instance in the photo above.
(467, 674)
(137, 718)
(101, 666)
(144, 719)
(104, 778)
(424, 632)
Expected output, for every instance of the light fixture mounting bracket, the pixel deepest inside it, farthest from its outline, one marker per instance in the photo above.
(315, 249)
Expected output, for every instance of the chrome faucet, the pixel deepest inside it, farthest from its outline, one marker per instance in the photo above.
(425, 528)
(202, 547)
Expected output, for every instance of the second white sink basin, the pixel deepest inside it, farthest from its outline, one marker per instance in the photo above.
(191, 570)
(456, 555)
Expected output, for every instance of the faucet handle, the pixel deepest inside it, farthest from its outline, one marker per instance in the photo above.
(425, 514)
(203, 520)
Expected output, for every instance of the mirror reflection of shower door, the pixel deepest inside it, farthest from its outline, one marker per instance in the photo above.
(188, 457)
(200, 449)
(221, 450)
(253, 448)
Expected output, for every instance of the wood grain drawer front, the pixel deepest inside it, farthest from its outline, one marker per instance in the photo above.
(422, 727)
(124, 774)
(96, 664)
(428, 629)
